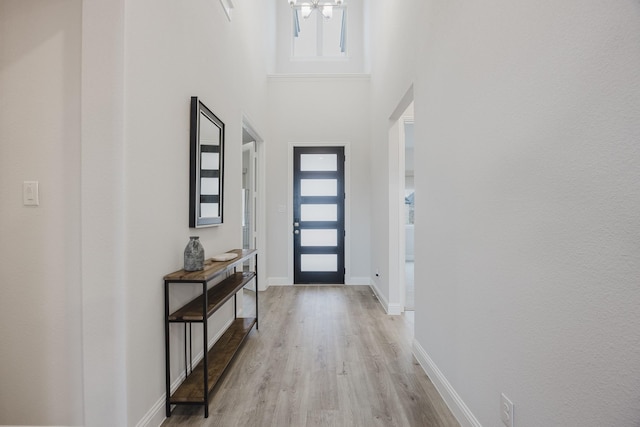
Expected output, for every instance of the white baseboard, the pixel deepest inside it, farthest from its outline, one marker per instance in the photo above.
(279, 281)
(390, 309)
(455, 403)
(284, 281)
(394, 309)
(156, 415)
(353, 280)
(381, 299)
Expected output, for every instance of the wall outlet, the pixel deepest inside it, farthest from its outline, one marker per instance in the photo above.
(506, 410)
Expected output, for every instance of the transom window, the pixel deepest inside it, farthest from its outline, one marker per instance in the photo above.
(319, 36)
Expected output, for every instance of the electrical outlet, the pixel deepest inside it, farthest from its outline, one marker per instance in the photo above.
(506, 410)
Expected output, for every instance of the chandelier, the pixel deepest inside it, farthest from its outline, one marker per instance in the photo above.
(307, 7)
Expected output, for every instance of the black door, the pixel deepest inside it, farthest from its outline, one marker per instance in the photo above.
(318, 212)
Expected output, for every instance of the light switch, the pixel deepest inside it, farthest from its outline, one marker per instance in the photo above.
(30, 193)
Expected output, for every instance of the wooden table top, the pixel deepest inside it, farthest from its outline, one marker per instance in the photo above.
(211, 268)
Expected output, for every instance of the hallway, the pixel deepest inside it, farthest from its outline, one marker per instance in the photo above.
(526, 175)
(324, 356)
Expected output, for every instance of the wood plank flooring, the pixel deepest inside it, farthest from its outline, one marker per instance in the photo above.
(324, 356)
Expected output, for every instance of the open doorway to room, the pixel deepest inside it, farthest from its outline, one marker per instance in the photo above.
(409, 211)
(249, 192)
(252, 202)
(401, 209)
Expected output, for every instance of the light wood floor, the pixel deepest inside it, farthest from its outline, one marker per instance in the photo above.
(324, 356)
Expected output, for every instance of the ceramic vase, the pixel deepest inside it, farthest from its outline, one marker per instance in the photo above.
(194, 255)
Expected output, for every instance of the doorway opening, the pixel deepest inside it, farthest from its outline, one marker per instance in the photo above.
(409, 209)
(401, 208)
(252, 197)
(249, 194)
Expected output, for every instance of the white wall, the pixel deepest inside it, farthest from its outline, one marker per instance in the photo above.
(179, 50)
(82, 331)
(527, 117)
(40, 307)
(317, 110)
(393, 57)
(102, 213)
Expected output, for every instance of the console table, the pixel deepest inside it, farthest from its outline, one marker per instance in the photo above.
(198, 386)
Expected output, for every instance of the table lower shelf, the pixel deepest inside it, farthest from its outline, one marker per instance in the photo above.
(191, 391)
(216, 297)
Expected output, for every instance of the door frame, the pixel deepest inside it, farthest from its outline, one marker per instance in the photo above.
(252, 179)
(347, 205)
(396, 165)
(300, 226)
(403, 122)
(261, 188)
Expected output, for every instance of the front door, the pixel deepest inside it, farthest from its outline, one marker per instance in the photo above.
(318, 215)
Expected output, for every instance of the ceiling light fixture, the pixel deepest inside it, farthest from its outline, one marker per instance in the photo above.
(306, 8)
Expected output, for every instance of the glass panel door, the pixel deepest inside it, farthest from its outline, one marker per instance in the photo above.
(318, 214)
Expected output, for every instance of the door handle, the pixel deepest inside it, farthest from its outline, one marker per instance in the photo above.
(296, 224)
(296, 231)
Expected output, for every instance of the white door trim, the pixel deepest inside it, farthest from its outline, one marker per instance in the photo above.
(396, 165)
(261, 190)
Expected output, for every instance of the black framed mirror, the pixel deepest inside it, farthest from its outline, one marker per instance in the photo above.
(207, 166)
